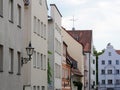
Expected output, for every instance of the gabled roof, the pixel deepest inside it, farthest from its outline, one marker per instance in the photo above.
(118, 51)
(84, 37)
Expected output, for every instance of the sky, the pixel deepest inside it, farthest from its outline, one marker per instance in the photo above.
(100, 16)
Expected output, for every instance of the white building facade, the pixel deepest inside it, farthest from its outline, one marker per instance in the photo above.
(109, 69)
(55, 47)
(36, 24)
(11, 44)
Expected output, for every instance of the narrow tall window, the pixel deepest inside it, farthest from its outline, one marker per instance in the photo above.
(34, 87)
(38, 60)
(19, 63)
(41, 29)
(109, 81)
(34, 22)
(38, 87)
(38, 27)
(40, 1)
(109, 62)
(11, 60)
(34, 59)
(1, 58)
(44, 31)
(11, 9)
(41, 61)
(44, 62)
(1, 8)
(109, 53)
(117, 62)
(43, 87)
(19, 16)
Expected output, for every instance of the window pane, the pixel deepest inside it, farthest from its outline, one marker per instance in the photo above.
(19, 16)
(11, 10)
(34, 59)
(1, 58)
(11, 54)
(1, 7)
(19, 62)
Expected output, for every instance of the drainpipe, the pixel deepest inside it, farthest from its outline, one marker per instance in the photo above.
(89, 72)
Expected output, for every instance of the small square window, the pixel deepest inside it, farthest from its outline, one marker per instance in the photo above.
(103, 81)
(103, 62)
(102, 71)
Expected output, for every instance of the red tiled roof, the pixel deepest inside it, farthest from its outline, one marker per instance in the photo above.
(118, 51)
(84, 37)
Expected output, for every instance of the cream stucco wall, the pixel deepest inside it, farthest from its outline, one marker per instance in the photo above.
(75, 50)
(33, 76)
(11, 36)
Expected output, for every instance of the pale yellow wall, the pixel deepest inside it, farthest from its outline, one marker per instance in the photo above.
(75, 50)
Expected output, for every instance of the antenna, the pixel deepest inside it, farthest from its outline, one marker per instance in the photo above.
(73, 20)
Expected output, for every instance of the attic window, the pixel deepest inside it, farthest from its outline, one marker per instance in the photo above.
(109, 53)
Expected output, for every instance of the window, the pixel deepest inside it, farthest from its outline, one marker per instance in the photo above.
(57, 71)
(1, 8)
(41, 61)
(57, 46)
(44, 62)
(34, 87)
(110, 81)
(103, 71)
(117, 62)
(19, 63)
(43, 87)
(40, 1)
(19, 16)
(38, 60)
(38, 87)
(109, 53)
(117, 71)
(109, 62)
(93, 61)
(11, 54)
(34, 22)
(103, 82)
(38, 31)
(93, 72)
(109, 71)
(117, 81)
(34, 59)
(41, 29)
(103, 62)
(44, 31)
(1, 58)
(11, 10)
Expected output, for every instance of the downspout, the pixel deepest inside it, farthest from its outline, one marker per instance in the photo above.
(89, 72)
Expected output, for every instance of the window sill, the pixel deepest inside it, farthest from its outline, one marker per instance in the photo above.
(10, 72)
(1, 70)
(1, 16)
(18, 73)
(11, 21)
(19, 26)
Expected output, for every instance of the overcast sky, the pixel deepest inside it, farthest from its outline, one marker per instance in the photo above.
(101, 16)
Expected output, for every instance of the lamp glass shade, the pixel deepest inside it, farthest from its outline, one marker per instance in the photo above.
(29, 50)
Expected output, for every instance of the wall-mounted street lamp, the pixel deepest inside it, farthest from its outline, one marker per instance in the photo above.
(29, 51)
